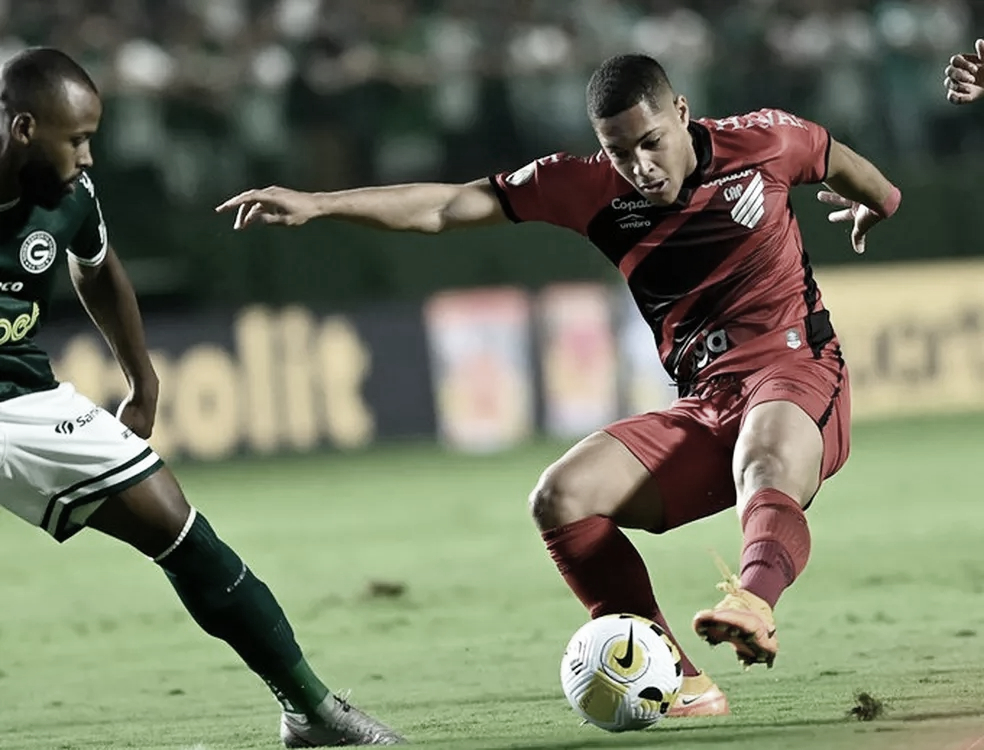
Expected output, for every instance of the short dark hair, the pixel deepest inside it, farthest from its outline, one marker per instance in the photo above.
(621, 82)
(32, 79)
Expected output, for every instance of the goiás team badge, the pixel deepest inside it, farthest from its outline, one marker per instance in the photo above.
(38, 251)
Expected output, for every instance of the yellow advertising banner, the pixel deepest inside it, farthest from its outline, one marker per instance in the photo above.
(263, 381)
(912, 334)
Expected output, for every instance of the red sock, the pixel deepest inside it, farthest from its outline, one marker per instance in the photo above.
(605, 571)
(777, 544)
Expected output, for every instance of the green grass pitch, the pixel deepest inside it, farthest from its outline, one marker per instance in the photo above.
(95, 651)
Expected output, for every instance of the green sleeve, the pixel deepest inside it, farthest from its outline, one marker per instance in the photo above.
(92, 240)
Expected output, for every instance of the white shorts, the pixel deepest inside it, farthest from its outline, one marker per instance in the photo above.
(61, 456)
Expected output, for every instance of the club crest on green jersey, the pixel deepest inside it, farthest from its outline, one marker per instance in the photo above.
(38, 251)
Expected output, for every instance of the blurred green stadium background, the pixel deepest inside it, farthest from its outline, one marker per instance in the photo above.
(206, 97)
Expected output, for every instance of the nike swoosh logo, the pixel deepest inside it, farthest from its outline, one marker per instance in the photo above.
(626, 661)
(688, 701)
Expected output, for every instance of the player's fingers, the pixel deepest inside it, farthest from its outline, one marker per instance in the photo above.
(955, 97)
(248, 214)
(958, 75)
(858, 235)
(979, 48)
(262, 214)
(250, 196)
(858, 240)
(837, 216)
(832, 199)
(965, 62)
(960, 88)
(258, 214)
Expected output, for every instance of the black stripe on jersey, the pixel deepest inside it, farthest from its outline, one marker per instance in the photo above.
(705, 310)
(819, 330)
(675, 269)
(810, 293)
(615, 231)
(817, 322)
(507, 208)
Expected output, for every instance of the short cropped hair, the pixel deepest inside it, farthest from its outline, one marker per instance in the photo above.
(32, 79)
(623, 81)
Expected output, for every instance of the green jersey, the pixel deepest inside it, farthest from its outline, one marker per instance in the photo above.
(31, 239)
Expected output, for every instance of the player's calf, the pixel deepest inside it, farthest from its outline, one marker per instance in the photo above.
(578, 505)
(217, 588)
(232, 604)
(776, 549)
(777, 467)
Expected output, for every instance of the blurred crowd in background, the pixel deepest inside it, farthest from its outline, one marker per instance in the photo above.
(205, 96)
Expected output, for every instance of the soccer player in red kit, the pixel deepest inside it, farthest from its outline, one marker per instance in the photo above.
(964, 76)
(696, 216)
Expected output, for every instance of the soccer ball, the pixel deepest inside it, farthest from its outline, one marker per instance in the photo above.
(621, 672)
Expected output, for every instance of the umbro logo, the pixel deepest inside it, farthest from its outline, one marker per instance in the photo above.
(633, 221)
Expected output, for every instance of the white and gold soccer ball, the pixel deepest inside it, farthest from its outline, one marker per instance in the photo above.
(621, 672)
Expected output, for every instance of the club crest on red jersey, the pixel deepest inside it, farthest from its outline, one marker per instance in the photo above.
(749, 201)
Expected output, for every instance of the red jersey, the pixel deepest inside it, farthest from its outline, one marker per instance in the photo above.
(721, 276)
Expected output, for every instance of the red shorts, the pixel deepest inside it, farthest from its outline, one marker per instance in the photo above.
(688, 448)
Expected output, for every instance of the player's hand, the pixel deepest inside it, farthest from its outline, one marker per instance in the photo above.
(271, 205)
(862, 216)
(964, 79)
(139, 410)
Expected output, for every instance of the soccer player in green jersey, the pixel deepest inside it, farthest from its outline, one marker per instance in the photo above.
(67, 463)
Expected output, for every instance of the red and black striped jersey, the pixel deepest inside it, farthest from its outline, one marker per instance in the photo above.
(721, 276)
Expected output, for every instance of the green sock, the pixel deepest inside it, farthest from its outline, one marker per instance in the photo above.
(230, 603)
(307, 691)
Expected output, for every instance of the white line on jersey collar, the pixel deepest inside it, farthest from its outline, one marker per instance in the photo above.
(9, 205)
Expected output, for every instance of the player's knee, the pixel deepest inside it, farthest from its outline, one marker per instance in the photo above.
(764, 468)
(556, 499)
(767, 468)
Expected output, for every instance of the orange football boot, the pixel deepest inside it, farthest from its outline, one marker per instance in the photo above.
(699, 696)
(743, 620)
